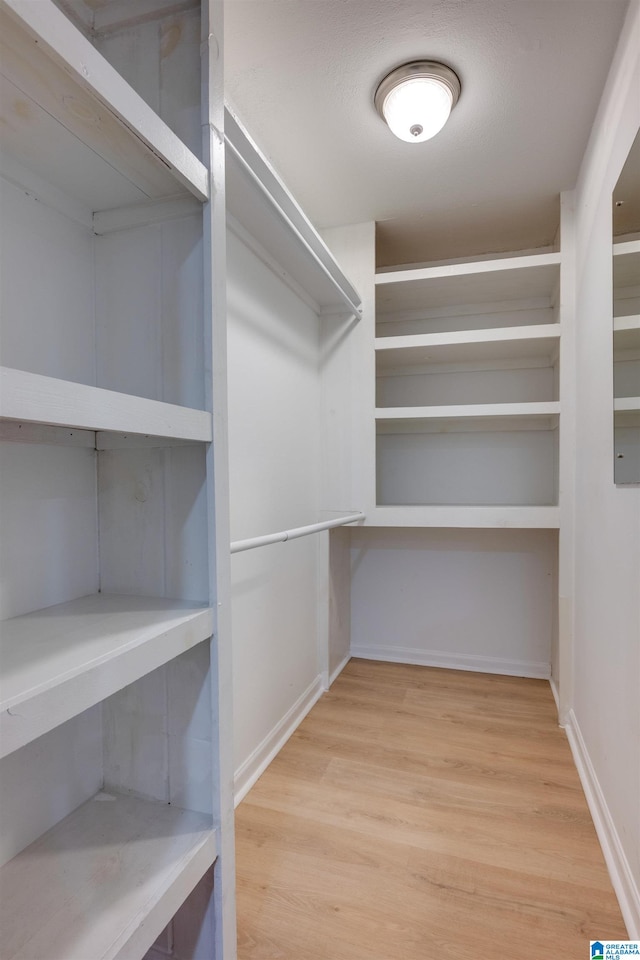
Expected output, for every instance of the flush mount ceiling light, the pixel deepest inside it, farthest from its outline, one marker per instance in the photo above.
(415, 100)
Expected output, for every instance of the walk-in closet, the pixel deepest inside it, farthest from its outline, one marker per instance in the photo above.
(272, 402)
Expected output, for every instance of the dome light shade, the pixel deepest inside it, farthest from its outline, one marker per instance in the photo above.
(415, 100)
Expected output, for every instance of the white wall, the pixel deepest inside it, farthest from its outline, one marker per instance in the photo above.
(472, 599)
(348, 429)
(274, 409)
(604, 724)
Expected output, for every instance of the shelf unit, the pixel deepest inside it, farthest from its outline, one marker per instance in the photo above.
(467, 404)
(115, 739)
(626, 360)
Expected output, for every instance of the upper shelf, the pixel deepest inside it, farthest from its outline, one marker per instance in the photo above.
(259, 201)
(105, 147)
(485, 281)
(32, 398)
(537, 342)
(63, 659)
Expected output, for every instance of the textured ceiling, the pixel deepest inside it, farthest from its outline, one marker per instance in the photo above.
(300, 74)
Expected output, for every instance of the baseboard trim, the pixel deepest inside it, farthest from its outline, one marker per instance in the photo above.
(338, 670)
(455, 661)
(619, 870)
(255, 765)
(556, 696)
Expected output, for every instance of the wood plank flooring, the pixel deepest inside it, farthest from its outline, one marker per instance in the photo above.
(417, 814)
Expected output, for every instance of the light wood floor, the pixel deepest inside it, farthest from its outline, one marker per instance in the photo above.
(422, 814)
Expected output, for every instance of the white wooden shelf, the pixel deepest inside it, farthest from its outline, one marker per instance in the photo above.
(626, 404)
(33, 398)
(536, 342)
(626, 247)
(626, 332)
(105, 147)
(626, 265)
(63, 659)
(267, 217)
(102, 883)
(487, 281)
(494, 412)
(506, 517)
(627, 418)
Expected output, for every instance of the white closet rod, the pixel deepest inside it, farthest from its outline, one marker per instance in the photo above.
(239, 545)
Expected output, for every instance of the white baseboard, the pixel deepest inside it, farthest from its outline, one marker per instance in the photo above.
(338, 670)
(619, 870)
(556, 695)
(455, 661)
(255, 764)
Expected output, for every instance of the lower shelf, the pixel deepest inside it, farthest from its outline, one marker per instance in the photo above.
(61, 660)
(107, 879)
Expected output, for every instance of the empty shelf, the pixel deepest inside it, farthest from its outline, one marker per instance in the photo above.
(33, 398)
(512, 343)
(501, 517)
(477, 415)
(486, 281)
(105, 146)
(626, 404)
(105, 881)
(63, 659)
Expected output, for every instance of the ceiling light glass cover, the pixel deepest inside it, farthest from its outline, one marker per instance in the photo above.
(416, 99)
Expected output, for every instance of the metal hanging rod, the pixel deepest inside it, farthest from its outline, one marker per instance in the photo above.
(239, 545)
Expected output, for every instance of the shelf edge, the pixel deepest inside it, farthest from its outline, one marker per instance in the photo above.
(465, 411)
(468, 269)
(34, 398)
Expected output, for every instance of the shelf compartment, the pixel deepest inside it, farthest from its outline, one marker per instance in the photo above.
(469, 517)
(32, 398)
(530, 343)
(468, 368)
(267, 217)
(527, 278)
(105, 146)
(104, 880)
(626, 333)
(465, 462)
(61, 660)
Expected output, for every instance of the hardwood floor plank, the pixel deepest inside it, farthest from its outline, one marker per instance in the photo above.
(417, 813)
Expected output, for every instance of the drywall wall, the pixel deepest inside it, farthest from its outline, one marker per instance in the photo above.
(347, 427)
(604, 724)
(274, 407)
(476, 600)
